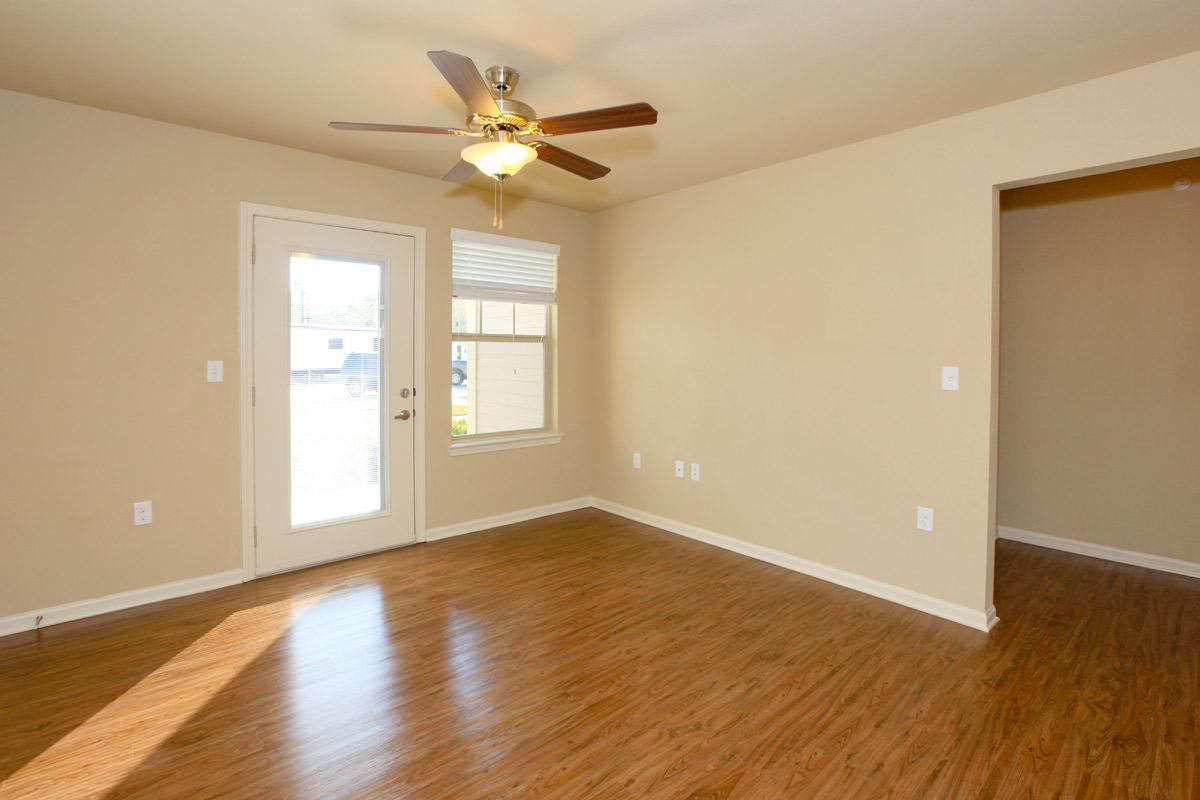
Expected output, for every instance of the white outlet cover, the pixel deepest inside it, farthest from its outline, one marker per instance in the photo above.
(216, 371)
(695, 472)
(950, 379)
(637, 460)
(678, 469)
(924, 519)
(143, 512)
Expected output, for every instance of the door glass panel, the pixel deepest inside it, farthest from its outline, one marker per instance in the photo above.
(337, 348)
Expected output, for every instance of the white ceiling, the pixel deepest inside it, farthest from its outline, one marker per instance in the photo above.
(737, 84)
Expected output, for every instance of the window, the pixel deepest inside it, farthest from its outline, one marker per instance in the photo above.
(501, 348)
(335, 343)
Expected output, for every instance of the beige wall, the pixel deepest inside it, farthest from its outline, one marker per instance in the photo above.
(785, 328)
(1100, 360)
(120, 279)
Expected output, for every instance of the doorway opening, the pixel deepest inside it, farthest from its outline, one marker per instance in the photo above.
(1098, 436)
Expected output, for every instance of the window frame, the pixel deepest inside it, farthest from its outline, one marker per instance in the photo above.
(520, 437)
(507, 269)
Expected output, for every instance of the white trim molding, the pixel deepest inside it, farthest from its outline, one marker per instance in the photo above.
(522, 515)
(990, 618)
(980, 620)
(1132, 557)
(512, 442)
(972, 618)
(40, 618)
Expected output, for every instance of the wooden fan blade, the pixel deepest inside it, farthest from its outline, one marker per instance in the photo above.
(460, 172)
(565, 159)
(376, 126)
(600, 119)
(464, 78)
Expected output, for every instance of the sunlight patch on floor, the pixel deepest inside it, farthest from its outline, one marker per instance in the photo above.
(81, 764)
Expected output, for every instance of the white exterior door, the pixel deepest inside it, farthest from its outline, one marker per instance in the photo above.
(333, 339)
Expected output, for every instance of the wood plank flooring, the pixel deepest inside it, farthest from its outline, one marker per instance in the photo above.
(586, 656)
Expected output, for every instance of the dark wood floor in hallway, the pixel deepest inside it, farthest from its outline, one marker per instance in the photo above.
(586, 656)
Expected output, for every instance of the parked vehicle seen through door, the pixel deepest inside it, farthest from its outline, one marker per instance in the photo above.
(360, 373)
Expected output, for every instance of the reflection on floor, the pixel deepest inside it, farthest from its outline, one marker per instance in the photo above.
(586, 656)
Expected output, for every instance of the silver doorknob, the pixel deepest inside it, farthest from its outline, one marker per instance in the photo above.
(403, 414)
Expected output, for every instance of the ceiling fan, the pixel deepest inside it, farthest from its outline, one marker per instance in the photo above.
(511, 131)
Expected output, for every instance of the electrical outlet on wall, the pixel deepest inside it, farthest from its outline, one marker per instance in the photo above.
(695, 472)
(637, 460)
(678, 469)
(143, 512)
(924, 519)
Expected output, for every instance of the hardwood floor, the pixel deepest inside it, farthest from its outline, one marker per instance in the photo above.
(586, 656)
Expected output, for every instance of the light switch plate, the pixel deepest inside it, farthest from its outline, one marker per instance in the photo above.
(678, 469)
(637, 460)
(950, 379)
(216, 371)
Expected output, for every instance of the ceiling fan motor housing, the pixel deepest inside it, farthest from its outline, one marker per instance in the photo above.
(514, 115)
(502, 79)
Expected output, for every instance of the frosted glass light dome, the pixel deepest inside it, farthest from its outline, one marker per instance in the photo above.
(499, 158)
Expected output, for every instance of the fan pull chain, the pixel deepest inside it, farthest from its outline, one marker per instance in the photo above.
(498, 203)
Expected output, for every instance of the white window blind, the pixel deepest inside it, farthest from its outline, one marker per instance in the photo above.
(490, 267)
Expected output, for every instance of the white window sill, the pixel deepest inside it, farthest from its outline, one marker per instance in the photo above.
(512, 442)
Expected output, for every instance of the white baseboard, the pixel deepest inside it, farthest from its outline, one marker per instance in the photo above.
(990, 618)
(116, 602)
(980, 620)
(970, 617)
(66, 612)
(1148, 560)
(522, 515)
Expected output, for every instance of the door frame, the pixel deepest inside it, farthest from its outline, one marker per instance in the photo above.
(247, 213)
